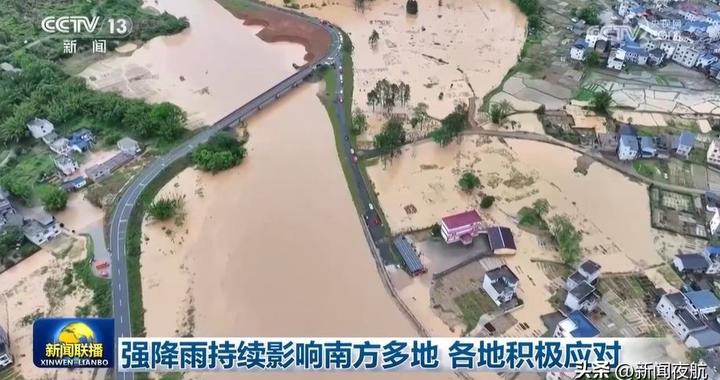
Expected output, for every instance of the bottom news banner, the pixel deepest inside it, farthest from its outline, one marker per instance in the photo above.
(389, 354)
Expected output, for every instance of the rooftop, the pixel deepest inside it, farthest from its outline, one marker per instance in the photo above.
(583, 327)
(502, 273)
(408, 255)
(687, 138)
(688, 319)
(590, 267)
(676, 299)
(702, 299)
(692, 261)
(577, 277)
(582, 290)
(629, 140)
(501, 238)
(706, 337)
(460, 220)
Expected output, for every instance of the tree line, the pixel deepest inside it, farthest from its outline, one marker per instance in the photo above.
(42, 90)
(388, 95)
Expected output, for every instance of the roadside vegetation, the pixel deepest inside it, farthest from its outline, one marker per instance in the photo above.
(560, 227)
(166, 208)
(100, 303)
(500, 111)
(359, 122)
(14, 246)
(223, 151)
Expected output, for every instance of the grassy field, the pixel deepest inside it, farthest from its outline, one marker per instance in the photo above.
(474, 305)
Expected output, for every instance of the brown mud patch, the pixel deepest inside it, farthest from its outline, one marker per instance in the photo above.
(279, 26)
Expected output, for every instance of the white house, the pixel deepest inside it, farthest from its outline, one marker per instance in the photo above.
(628, 147)
(129, 146)
(66, 164)
(41, 229)
(686, 55)
(60, 146)
(577, 326)
(614, 62)
(712, 255)
(582, 297)
(40, 128)
(713, 153)
(577, 52)
(687, 315)
(500, 284)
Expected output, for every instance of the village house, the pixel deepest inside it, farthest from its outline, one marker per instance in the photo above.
(577, 52)
(614, 62)
(409, 255)
(685, 143)
(74, 184)
(690, 263)
(712, 255)
(60, 146)
(500, 284)
(713, 153)
(582, 294)
(6, 358)
(463, 227)
(101, 170)
(647, 147)
(41, 228)
(656, 56)
(501, 240)
(687, 316)
(686, 55)
(81, 140)
(628, 147)
(40, 128)
(129, 146)
(712, 206)
(8, 214)
(577, 326)
(66, 164)
(607, 142)
(588, 271)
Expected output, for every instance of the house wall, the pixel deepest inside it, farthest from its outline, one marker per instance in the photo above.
(626, 153)
(572, 302)
(453, 235)
(713, 153)
(667, 312)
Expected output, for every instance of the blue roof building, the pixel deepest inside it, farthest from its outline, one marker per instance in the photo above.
(702, 301)
(409, 256)
(685, 143)
(577, 325)
(628, 147)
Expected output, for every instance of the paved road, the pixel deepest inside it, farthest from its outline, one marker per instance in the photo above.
(128, 200)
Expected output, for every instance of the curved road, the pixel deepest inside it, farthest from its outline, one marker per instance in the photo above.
(128, 200)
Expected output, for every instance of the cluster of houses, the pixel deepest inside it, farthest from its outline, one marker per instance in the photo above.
(629, 145)
(38, 226)
(80, 142)
(650, 32)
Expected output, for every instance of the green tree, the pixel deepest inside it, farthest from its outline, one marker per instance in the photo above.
(359, 121)
(695, 354)
(53, 198)
(223, 151)
(11, 238)
(567, 238)
(411, 7)
(18, 187)
(541, 206)
(593, 59)
(487, 201)
(601, 101)
(373, 39)
(451, 125)
(589, 14)
(165, 208)
(499, 111)
(391, 138)
(435, 230)
(468, 182)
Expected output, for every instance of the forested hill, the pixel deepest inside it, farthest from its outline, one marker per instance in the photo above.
(41, 89)
(20, 23)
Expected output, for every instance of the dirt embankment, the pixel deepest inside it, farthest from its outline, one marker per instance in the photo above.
(282, 27)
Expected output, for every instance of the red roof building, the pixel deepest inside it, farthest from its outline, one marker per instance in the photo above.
(461, 227)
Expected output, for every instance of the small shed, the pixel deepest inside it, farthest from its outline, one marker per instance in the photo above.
(501, 240)
(128, 146)
(409, 256)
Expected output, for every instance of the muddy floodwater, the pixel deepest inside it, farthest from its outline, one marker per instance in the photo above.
(273, 247)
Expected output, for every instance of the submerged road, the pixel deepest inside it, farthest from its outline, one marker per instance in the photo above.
(121, 214)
